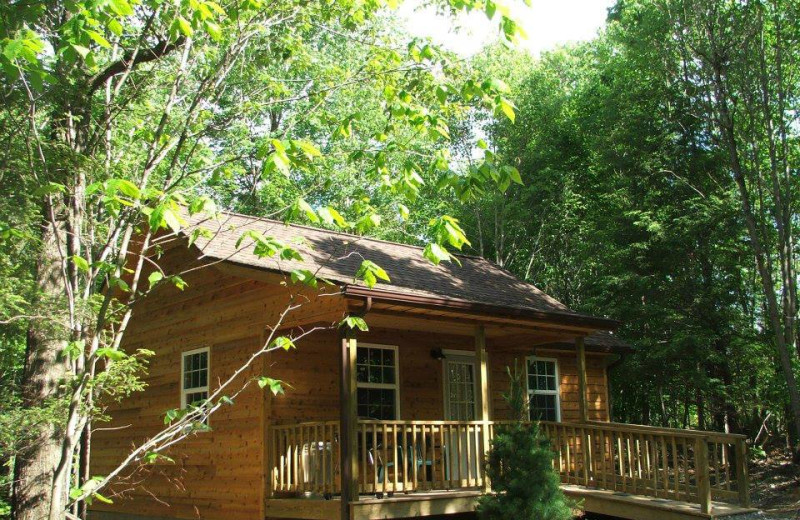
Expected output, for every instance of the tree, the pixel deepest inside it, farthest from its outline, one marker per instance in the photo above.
(120, 118)
(629, 209)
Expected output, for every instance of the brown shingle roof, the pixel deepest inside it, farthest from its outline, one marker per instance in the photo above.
(337, 256)
(600, 341)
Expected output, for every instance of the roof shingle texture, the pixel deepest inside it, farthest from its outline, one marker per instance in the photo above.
(337, 256)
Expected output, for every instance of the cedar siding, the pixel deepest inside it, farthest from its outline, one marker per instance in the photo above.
(220, 474)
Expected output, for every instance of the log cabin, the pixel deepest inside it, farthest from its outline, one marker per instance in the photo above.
(391, 422)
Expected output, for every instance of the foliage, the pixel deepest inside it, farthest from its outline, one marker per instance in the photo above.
(123, 121)
(520, 467)
(629, 208)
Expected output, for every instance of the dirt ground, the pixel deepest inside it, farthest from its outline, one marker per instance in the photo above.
(775, 486)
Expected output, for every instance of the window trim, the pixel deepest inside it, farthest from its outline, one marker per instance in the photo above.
(383, 386)
(206, 388)
(533, 392)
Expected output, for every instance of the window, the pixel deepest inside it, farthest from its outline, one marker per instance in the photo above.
(194, 367)
(543, 389)
(376, 382)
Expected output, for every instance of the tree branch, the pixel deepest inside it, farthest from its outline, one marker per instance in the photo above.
(131, 59)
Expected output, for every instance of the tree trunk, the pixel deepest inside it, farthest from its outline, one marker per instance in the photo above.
(46, 367)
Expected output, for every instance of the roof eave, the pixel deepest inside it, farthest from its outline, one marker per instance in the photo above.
(561, 318)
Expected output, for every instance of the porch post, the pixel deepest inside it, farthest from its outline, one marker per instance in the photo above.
(586, 443)
(348, 439)
(582, 401)
(483, 385)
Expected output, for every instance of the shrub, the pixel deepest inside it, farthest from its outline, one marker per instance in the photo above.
(520, 467)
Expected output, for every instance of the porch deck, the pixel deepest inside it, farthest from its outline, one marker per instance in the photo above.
(422, 468)
(434, 503)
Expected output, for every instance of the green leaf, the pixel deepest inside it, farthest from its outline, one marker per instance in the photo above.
(370, 272)
(435, 253)
(404, 213)
(80, 263)
(507, 107)
(283, 342)
(121, 7)
(98, 38)
(125, 187)
(178, 282)
(304, 276)
(173, 220)
(306, 208)
(110, 353)
(152, 457)
(115, 27)
(330, 215)
(275, 385)
(74, 349)
(81, 50)
(354, 322)
(154, 278)
(184, 26)
(49, 188)
(213, 30)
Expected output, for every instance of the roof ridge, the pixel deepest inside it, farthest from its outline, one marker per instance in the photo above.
(344, 233)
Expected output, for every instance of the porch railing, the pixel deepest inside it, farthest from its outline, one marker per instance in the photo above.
(684, 465)
(407, 456)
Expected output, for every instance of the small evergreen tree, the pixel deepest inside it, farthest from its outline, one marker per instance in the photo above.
(525, 485)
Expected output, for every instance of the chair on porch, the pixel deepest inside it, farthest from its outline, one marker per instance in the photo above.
(422, 464)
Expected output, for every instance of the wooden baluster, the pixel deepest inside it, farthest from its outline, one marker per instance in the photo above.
(636, 470)
(652, 456)
(613, 459)
(424, 455)
(622, 469)
(396, 480)
(675, 467)
(715, 458)
(742, 477)
(726, 465)
(443, 449)
(404, 452)
(686, 468)
(568, 457)
(665, 467)
(385, 460)
(603, 465)
(375, 456)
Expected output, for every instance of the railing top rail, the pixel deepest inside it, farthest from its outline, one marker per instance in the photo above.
(426, 423)
(713, 436)
(591, 425)
(306, 423)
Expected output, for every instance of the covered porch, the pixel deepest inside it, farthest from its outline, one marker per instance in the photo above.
(357, 466)
(400, 462)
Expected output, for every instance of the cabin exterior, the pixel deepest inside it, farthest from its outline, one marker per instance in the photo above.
(393, 422)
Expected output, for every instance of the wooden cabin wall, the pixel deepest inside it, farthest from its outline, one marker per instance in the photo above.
(596, 379)
(218, 474)
(313, 372)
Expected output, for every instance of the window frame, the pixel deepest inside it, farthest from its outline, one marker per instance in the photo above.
(532, 392)
(206, 388)
(382, 386)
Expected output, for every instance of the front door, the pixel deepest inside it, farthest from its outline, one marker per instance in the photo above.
(460, 389)
(461, 404)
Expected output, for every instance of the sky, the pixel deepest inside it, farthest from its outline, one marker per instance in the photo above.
(548, 23)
